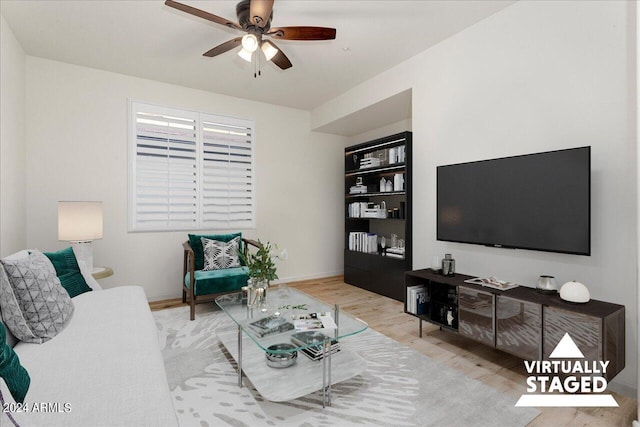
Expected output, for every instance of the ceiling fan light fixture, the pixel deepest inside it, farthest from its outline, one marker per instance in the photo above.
(249, 42)
(245, 54)
(269, 50)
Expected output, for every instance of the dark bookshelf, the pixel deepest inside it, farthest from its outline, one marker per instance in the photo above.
(373, 270)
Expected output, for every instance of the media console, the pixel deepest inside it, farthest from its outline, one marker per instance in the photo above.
(520, 321)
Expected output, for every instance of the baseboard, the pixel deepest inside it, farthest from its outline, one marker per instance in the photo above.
(288, 279)
(307, 277)
(624, 389)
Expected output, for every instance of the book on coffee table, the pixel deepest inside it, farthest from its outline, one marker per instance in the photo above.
(314, 352)
(314, 321)
(270, 325)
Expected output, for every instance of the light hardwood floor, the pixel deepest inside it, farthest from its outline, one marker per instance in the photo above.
(499, 370)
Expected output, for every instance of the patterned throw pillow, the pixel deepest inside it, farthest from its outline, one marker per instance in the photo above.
(35, 307)
(220, 255)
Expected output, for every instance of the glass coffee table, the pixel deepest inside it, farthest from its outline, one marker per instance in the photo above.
(248, 344)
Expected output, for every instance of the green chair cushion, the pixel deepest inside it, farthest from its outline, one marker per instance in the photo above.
(218, 281)
(198, 251)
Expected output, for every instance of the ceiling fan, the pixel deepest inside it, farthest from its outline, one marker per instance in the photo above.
(254, 18)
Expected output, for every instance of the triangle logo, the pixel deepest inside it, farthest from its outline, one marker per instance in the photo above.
(566, 349)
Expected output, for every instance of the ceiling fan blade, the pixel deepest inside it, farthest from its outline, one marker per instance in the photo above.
(202, 14)
(280, 59)
(224, 47)
(260, 12)
(303, 33)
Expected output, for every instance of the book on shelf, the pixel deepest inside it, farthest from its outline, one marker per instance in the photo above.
(421, 301)
(361, 241)
(270, 325)
(412, 298)
(358, 189)
(314, 321)
(313, 339)
(369, 162)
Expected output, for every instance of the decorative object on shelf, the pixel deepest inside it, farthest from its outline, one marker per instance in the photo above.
(383, 185)
(547, 285)
(80, 223)
(281, 355)
(448, 265)
(575, 292)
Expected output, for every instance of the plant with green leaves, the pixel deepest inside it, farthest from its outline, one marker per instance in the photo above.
(262, 264)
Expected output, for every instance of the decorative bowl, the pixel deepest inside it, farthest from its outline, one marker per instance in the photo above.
(281, 359)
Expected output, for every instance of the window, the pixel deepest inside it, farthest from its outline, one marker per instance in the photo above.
(189, 170)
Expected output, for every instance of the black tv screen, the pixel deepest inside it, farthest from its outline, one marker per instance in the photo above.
(536, 201)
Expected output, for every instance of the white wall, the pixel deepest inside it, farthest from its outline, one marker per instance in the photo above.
(536, 76)
(77, 150)
(12, 143)
(381, 132)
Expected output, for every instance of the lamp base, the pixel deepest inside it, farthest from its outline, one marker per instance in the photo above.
(84, 252)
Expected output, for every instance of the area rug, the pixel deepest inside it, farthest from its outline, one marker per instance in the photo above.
(400, 386)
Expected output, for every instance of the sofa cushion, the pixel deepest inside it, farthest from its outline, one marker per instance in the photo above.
(195, 241)
(11, 371)
(220, 255)
(35, 307)
(68, 271)
(219, 281)
(104, 370)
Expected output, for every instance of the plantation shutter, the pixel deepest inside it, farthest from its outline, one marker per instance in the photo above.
(227, 173)
(189, 170)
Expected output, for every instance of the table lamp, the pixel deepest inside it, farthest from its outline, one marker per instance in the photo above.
(80, 223)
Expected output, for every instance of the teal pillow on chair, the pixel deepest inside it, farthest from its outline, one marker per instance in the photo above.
(198, 251)
(11, 371)
(68, 271)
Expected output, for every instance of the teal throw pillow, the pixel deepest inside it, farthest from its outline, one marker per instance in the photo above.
(11, 371)
(68, 271)
(196, 245)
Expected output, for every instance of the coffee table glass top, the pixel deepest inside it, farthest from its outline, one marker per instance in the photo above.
(283, 305)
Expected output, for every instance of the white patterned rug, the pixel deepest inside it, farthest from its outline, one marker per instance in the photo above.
(400, 387)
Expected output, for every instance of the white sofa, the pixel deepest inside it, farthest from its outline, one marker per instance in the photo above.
(104, 369)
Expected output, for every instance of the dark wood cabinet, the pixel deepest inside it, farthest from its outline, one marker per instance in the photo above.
(521, 321)
(519, 327)
(378, 247)
(476, 315)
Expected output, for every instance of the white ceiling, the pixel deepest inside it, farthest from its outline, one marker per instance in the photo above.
(150, 40)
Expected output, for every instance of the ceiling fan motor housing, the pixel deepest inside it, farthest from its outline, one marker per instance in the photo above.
(242, 11)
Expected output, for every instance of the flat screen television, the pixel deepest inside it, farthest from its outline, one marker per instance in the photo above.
(537, 201)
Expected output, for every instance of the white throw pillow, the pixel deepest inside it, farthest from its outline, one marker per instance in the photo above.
(19, 255)
(220, 255)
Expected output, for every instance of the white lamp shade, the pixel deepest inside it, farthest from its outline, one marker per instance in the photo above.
(245, 54)
(249, 42)
(269, 50)
(79, 221)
